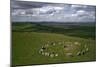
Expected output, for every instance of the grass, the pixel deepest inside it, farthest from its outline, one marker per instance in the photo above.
(26, 46)
(84, 30)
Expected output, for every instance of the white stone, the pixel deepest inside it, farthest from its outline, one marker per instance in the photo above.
(46, 53)
(54, 44)
(87, 49)
(56, 55)
(78, 53)
(41, 49)
(69, 54)
(43, 53)
(76, 43)
(83, 52)
(51, 55)
(46, 45)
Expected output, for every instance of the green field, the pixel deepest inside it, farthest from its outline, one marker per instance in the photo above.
(66, 42)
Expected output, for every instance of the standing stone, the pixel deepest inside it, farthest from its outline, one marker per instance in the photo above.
(53, 44)
(69, 54)
(78, 53)
(87, 49)
(76, 43)
(48, 54)
(56, 55)
(42, 53)
(51, 55)
(41, 50)
(83, 52)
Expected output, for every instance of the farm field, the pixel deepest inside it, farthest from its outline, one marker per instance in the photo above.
(46, 43)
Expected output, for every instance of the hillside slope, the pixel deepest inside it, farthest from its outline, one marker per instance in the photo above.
(26, 46)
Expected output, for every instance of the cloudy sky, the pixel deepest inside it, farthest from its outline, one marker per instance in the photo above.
(39, 11)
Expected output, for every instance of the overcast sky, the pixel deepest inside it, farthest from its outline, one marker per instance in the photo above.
(39, 11)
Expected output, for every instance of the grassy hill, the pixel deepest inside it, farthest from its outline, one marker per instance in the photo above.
(26, 46)
(82, 30)
(46, 43)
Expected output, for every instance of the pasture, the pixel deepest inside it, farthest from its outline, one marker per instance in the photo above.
(43, 44)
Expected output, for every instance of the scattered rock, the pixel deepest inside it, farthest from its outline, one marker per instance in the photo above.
(46, 53)
(67, 46)
(46, 45)
(78, 53)
(43, 48)
(83, 52)
(51, 55)
(53, 44)
(76, 43)
(87, 49)
(56, 55)
(69, 54)
(42, 53)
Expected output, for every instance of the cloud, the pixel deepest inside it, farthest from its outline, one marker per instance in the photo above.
(37, 11)
(86, 16)
(78, 6)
